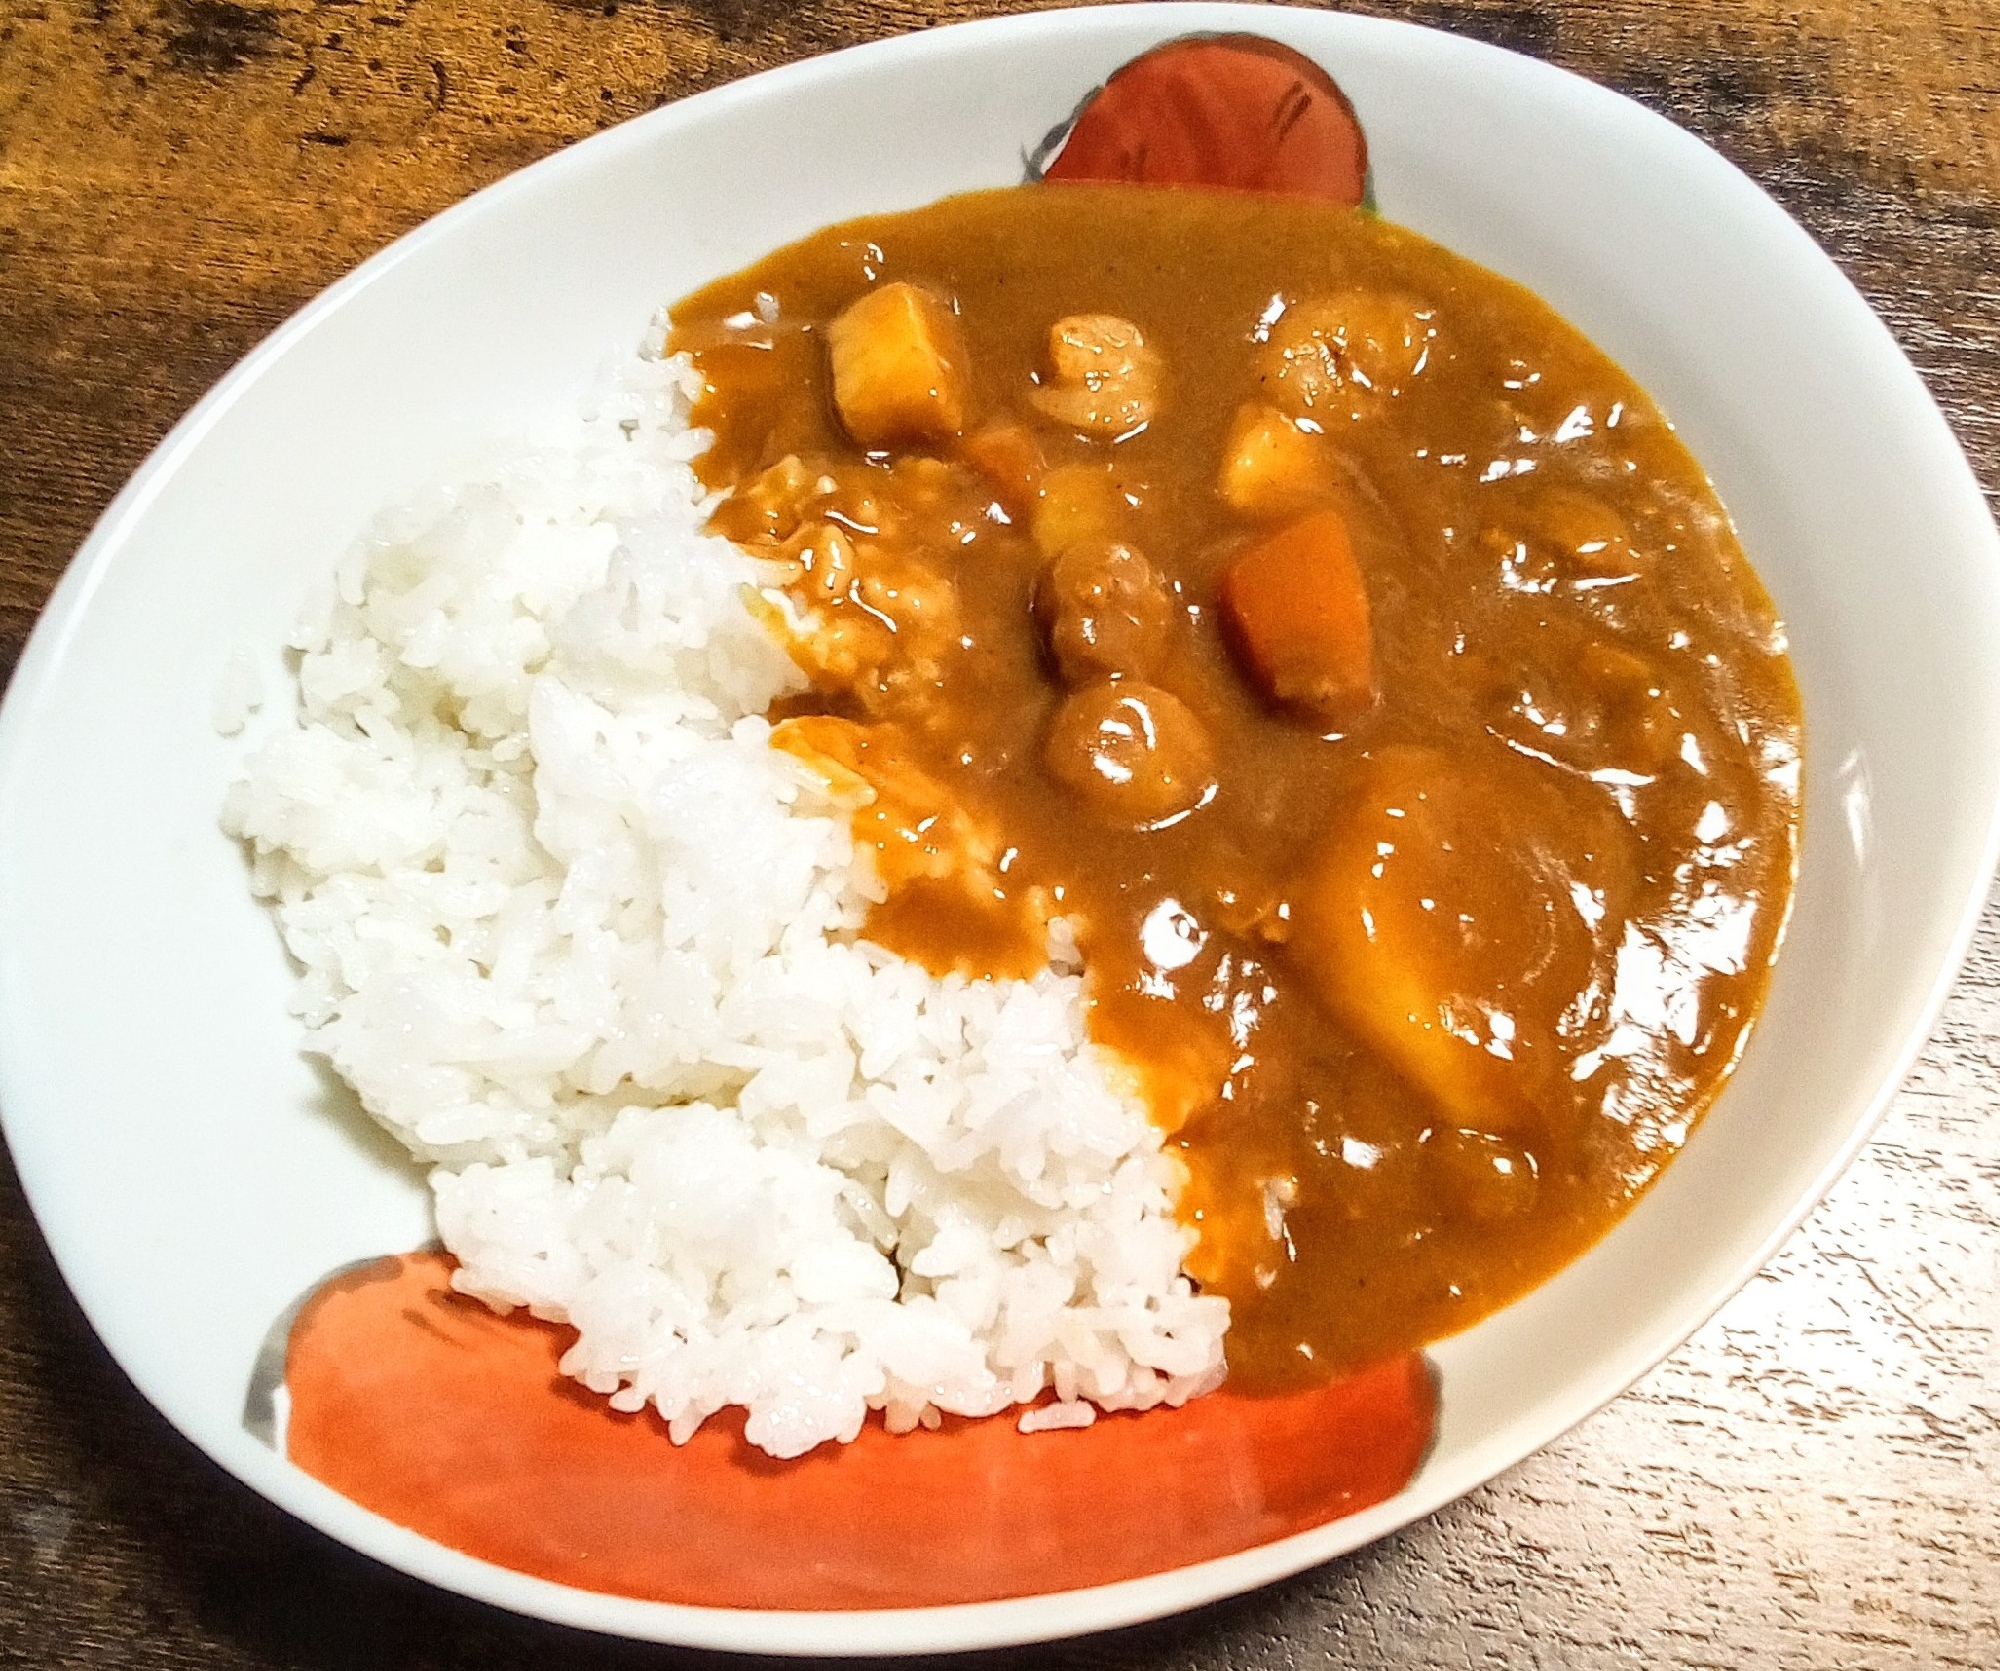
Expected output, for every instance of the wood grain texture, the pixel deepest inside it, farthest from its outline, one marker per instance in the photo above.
(1813, 1481)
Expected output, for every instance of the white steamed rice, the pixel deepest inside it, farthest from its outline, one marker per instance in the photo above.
(586, 943)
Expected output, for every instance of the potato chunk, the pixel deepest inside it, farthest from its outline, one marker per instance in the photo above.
(1271, 468)
(899, 368)
(1441, 919)
(1084, 502)
(1104, 378)
(1295, 612)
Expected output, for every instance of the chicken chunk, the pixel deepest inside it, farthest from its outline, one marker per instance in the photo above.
(1104, 378)
(1132, 753)
(899, 368)
(1340, 359)
(1106, 611)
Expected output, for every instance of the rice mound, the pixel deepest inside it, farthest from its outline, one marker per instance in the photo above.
(588, 945)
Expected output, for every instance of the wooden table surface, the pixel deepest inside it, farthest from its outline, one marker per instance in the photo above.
(1813, 1481)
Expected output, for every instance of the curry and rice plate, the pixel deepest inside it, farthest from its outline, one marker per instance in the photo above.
(970, 940)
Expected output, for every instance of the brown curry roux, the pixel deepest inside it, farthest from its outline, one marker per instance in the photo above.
(1428, 965)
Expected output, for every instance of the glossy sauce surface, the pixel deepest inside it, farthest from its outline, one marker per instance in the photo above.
(1428, 969)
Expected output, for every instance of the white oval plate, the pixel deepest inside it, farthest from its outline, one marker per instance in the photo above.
(193, 1173)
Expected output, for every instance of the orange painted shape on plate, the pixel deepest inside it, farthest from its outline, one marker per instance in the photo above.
(439, 1415)
(1232, 111)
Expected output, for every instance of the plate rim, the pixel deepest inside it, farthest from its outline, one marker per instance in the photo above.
(1014, 1621)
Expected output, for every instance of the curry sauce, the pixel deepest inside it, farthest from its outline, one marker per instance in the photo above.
(1316, 636)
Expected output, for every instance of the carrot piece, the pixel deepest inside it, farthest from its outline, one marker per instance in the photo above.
(1295, 612)
(1010, 459)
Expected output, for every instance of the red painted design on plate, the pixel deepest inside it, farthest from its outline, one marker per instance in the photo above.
(439, 1415)
(1234, 111)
